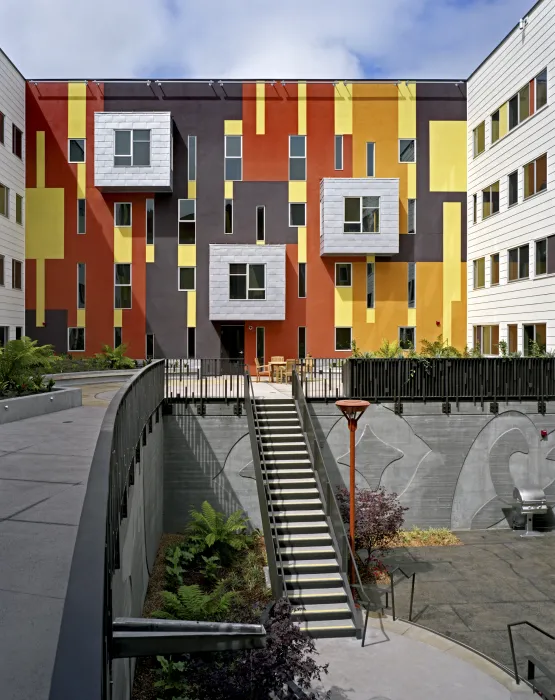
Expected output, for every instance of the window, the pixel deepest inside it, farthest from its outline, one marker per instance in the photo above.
(518, 263)
(149, 346)
(4, 201)
(81, 216)
(494, 269)
(513, 188)
(81, 282)
(247, 281)
(191, 342)
(495, 127)
(411, 286)
(18, 332)
(122, 214)
(541, 258)
(2, 125)
(192, 158)
(228, 216)
(524, 103)
(479, 139)
(17, 274)
(76, 150)
(117, 336)
(338, 154)
(533, 334)
(370, 286)
(407, 150)
(76, 339)
(370, 159)
(541, 89)
(297, 214)
(535, 176)
(149, 221)
(302, 280)
(260, 344)
(187, 230)
(343, 275)
(297, 157)
(487, 339)
(187, 279)
(260, 223)
(474, 208)
(343, 338)
(233, 157)
(2, 264)
(407, 337)
(513, 112)
(122, 286)
(362, 215)
(411, 215)
(512, 333)
(479, 273)
(17, 141)
(4, 335)
(131, 147)
(18, 209)
(490, 200)
(301, 352)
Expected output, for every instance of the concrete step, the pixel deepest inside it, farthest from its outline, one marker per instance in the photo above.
(298, 503)
(287, 463)
(290, 483)
(307, 566)
(302, 527)
(270, 446)
(297, 493)
(323, 611)
(277, 412)
(274, 402)
(313, 596)
(329, 628)
(285, 455)
(272, 438)
(290, 473)
(277, 430)
(295, 516)
(308, 552)
(300, 581)
(304, 539)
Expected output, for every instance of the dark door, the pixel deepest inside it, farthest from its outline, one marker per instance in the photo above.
(233, 349)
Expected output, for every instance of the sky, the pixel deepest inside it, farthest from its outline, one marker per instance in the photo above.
(264, 39)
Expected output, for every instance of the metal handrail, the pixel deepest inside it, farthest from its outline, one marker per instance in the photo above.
(392, 587)
(511, 641)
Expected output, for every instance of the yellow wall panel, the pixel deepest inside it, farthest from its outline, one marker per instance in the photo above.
(41, 180)
(45, 223)
(411, 180)
(118, 318)
(407, 110)
(81, 318)
(343, 104)
(260, 108)
(40, 293)
(429, 301)
(187, 255)
(448, 156)
(370, 315)
(297, 191)
(301, 238)
(301, 106)
(503, 119)
(191, 309)
(81, 180)
(77, 110)
(260, 242)
(192, 189)
(228, 189)
(150, 253)
(123, 244)
(411, 317)
(233, 127)
(451, 264)
(343, 306)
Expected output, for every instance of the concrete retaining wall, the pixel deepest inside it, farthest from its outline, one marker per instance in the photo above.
(38, 404)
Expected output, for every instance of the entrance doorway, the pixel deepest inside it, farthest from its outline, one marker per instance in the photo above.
(232, 348)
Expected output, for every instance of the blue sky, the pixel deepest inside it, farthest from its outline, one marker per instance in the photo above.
(255, 38)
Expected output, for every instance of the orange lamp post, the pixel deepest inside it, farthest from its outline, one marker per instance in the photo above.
(352, 409)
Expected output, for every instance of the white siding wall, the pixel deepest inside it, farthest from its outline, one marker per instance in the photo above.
(523, 55)
(12, 174)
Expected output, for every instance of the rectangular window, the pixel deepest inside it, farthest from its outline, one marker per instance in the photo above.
(117, 336)
(533, 334)
(490, 200)
(302, 280)
(535, 176)
(513, 188)
(524, 103)
(247, 281)
(17, 141)
(81, 285)
(228, 216)
(338, 152)
(187, 229)
(149, 346)
(343, 276)
(297, 157)
(407, 337)
(260, 350)
(192, 158)
(150, 221)
(81, 216)
(343, 338)
(370, 159)
(122, 214)
(518, 263)
(191, 343)
(2, 125)
(297, 214)
(17, 274)
(362, 215)
(486, 338)
(495, 127)
(76, 150)
(411, 214)
(4, 201)
(122, 286)
(260, 223)
(370, 286)
(18, 332)
(541, 89)
(302, 343)
(494, 269)
(76, 339)
(233, 152)
(407, 150)
(131, 148)
(2, 267)
(479, 139)
(541, 257)
(4, 335)
(512, 334)
(411, 286)
(187, 279)
(513, 112)
(474, 208)
(18, 209)
(479, 273)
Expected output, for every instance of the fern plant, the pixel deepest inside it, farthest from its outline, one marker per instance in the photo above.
(191, 603)
(114, 358)
(24, 362)
(218, 535)
(438, 348)
(389, 349)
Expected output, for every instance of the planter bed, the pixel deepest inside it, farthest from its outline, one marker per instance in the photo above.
(22, 407)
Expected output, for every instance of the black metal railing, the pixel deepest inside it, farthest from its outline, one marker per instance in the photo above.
(512, 644)
(322, 377)
(82, 667)
(194, 381)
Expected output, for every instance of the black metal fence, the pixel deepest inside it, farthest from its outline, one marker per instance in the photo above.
(83, 659)
(209, 378)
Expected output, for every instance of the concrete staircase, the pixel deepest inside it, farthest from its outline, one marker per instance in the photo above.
(310, 567)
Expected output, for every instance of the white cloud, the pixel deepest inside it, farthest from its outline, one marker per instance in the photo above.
(254, 38)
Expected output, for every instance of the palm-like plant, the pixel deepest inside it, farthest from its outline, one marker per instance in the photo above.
(438, 348)
(114, 358)
(191, 603)
(23, 362)
(389, 349)
(218, 534)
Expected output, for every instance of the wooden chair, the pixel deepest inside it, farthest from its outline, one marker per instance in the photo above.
(309, 364)
(261, 370)
(277, 358)
(289, 367)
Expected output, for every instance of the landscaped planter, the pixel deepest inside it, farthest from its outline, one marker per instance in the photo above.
(33, 405)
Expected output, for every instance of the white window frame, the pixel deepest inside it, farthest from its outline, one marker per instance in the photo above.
(494, 284)
(81, 233)
(130, 224)
(338, 151)
(192, 162)
(406, 162)
(260, 207)
(130, 155)
(247, 288)
(6, 200)
(150, 199)
(226, 157)
(20, 197)
(84, 151)
(291, 224)
(518, 248)
(401, 328)
(373, 158)
(509, 205)
(77, 328)
(490, 188)
(475, 152)
(361, 220)
(84, 285)
(186, 267)
(536, 241)
(298, 136)
(343, 286)
(475, 275)
(194, 220)
(534, 340)
(130, 285)
(335, 329)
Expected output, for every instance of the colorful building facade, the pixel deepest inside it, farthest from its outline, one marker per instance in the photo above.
(208, 219)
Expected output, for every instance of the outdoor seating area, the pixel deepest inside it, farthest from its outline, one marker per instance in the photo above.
(280, 370)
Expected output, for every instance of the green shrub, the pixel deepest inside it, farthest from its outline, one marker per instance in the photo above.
(23, 364)
(114, 358)
(214, 534)
(192, 603)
